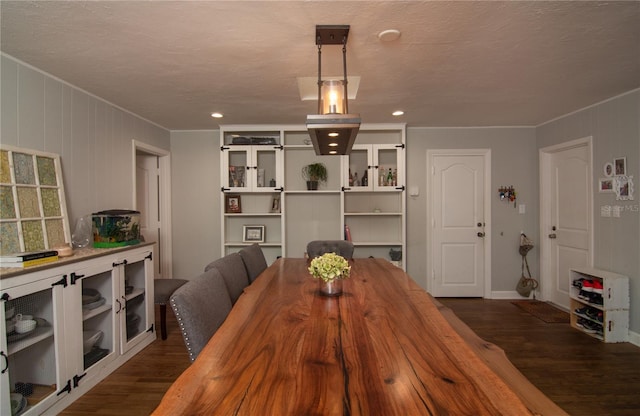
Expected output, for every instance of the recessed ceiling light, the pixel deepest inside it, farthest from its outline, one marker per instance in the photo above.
(333, 152)
(389, 35)
(216, 115)
(398, 113)
(333, 144)
(333, 134)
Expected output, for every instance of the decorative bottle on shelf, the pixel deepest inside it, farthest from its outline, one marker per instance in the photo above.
(381, 176)
(355, 179)
(395, 177)
(365, 178)
(350, 178)
(389, 178)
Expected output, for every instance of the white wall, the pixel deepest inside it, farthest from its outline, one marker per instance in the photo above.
(195, 187)
(514, 162)
(92, 136)
(615, 128)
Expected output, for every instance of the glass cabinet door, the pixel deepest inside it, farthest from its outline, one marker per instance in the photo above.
(235, 168)
(266, 163)
(252, 168)
(32, 370)
(94, 295)
(374, 167)
(389, 167)
(136, 316)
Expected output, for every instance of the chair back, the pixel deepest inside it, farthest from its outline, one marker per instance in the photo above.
(254, 261)
(341, 247)
(232, 269)
(201, 306)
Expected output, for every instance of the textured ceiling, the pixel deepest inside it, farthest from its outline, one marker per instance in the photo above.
(455, 64)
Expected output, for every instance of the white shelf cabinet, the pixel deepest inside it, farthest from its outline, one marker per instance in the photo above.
(52, 357)
(607, 317)
(375, 214)
(251, 163)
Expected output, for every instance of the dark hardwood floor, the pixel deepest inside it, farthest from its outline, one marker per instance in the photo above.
(582, 375)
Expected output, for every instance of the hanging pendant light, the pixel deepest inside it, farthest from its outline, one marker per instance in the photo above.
(333, 130)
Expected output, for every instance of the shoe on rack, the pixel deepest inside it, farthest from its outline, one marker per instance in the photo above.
(597, 287)
(578, 282)
(584, 295)
(587, 286)
(596, 299)
(582, 311)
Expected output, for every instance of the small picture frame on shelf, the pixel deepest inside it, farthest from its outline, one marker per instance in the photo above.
(275, 204)
(232, 204)
(620, 166)
(253, 233)
(605, 185)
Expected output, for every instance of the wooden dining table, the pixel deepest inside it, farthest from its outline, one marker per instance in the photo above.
(381, 348)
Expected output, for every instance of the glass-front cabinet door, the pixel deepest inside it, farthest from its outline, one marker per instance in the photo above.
(32, 354)
(374, 167)
(252, 168)
(135, 315)
(91, 312)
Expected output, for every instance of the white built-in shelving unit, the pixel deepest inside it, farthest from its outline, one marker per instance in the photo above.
(270, 161)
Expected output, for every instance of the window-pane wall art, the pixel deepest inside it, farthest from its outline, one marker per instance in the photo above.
(33, 213)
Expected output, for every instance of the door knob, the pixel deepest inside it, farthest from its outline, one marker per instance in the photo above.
(480, 234)
(553, 235)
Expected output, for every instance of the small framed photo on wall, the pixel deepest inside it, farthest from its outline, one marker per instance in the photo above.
(620, 166)
(606, 185)
(253, 234)
(608, 169)
(232, 204)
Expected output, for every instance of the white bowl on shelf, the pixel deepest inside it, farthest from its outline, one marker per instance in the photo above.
(25, 325)
(89, 339)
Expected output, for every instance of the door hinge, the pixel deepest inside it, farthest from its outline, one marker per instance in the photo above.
(66, 388)
(74, 277)
(62, 281)
(150, 328)
(124, 262)
(149, 256)
(76, 379)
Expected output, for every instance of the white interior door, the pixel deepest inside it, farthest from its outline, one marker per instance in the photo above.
(148, 201)
(458, 250)
(566, 225)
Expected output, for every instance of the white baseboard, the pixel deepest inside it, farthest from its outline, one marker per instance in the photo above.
(509, 294)
(634, 338)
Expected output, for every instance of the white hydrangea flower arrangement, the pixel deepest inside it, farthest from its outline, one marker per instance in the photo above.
(329, 267)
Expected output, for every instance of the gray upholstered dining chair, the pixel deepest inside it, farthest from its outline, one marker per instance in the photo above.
(319, 247)
(232, 269)
(201, 306)
(254, 261)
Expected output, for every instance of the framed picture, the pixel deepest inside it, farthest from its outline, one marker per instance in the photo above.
(253, 233)
(608, 169)
(620, 166)
(232, 204)
(605, 185)
(275, 203)
(623, 187)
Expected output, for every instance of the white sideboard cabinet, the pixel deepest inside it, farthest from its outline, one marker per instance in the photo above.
(93, 311)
